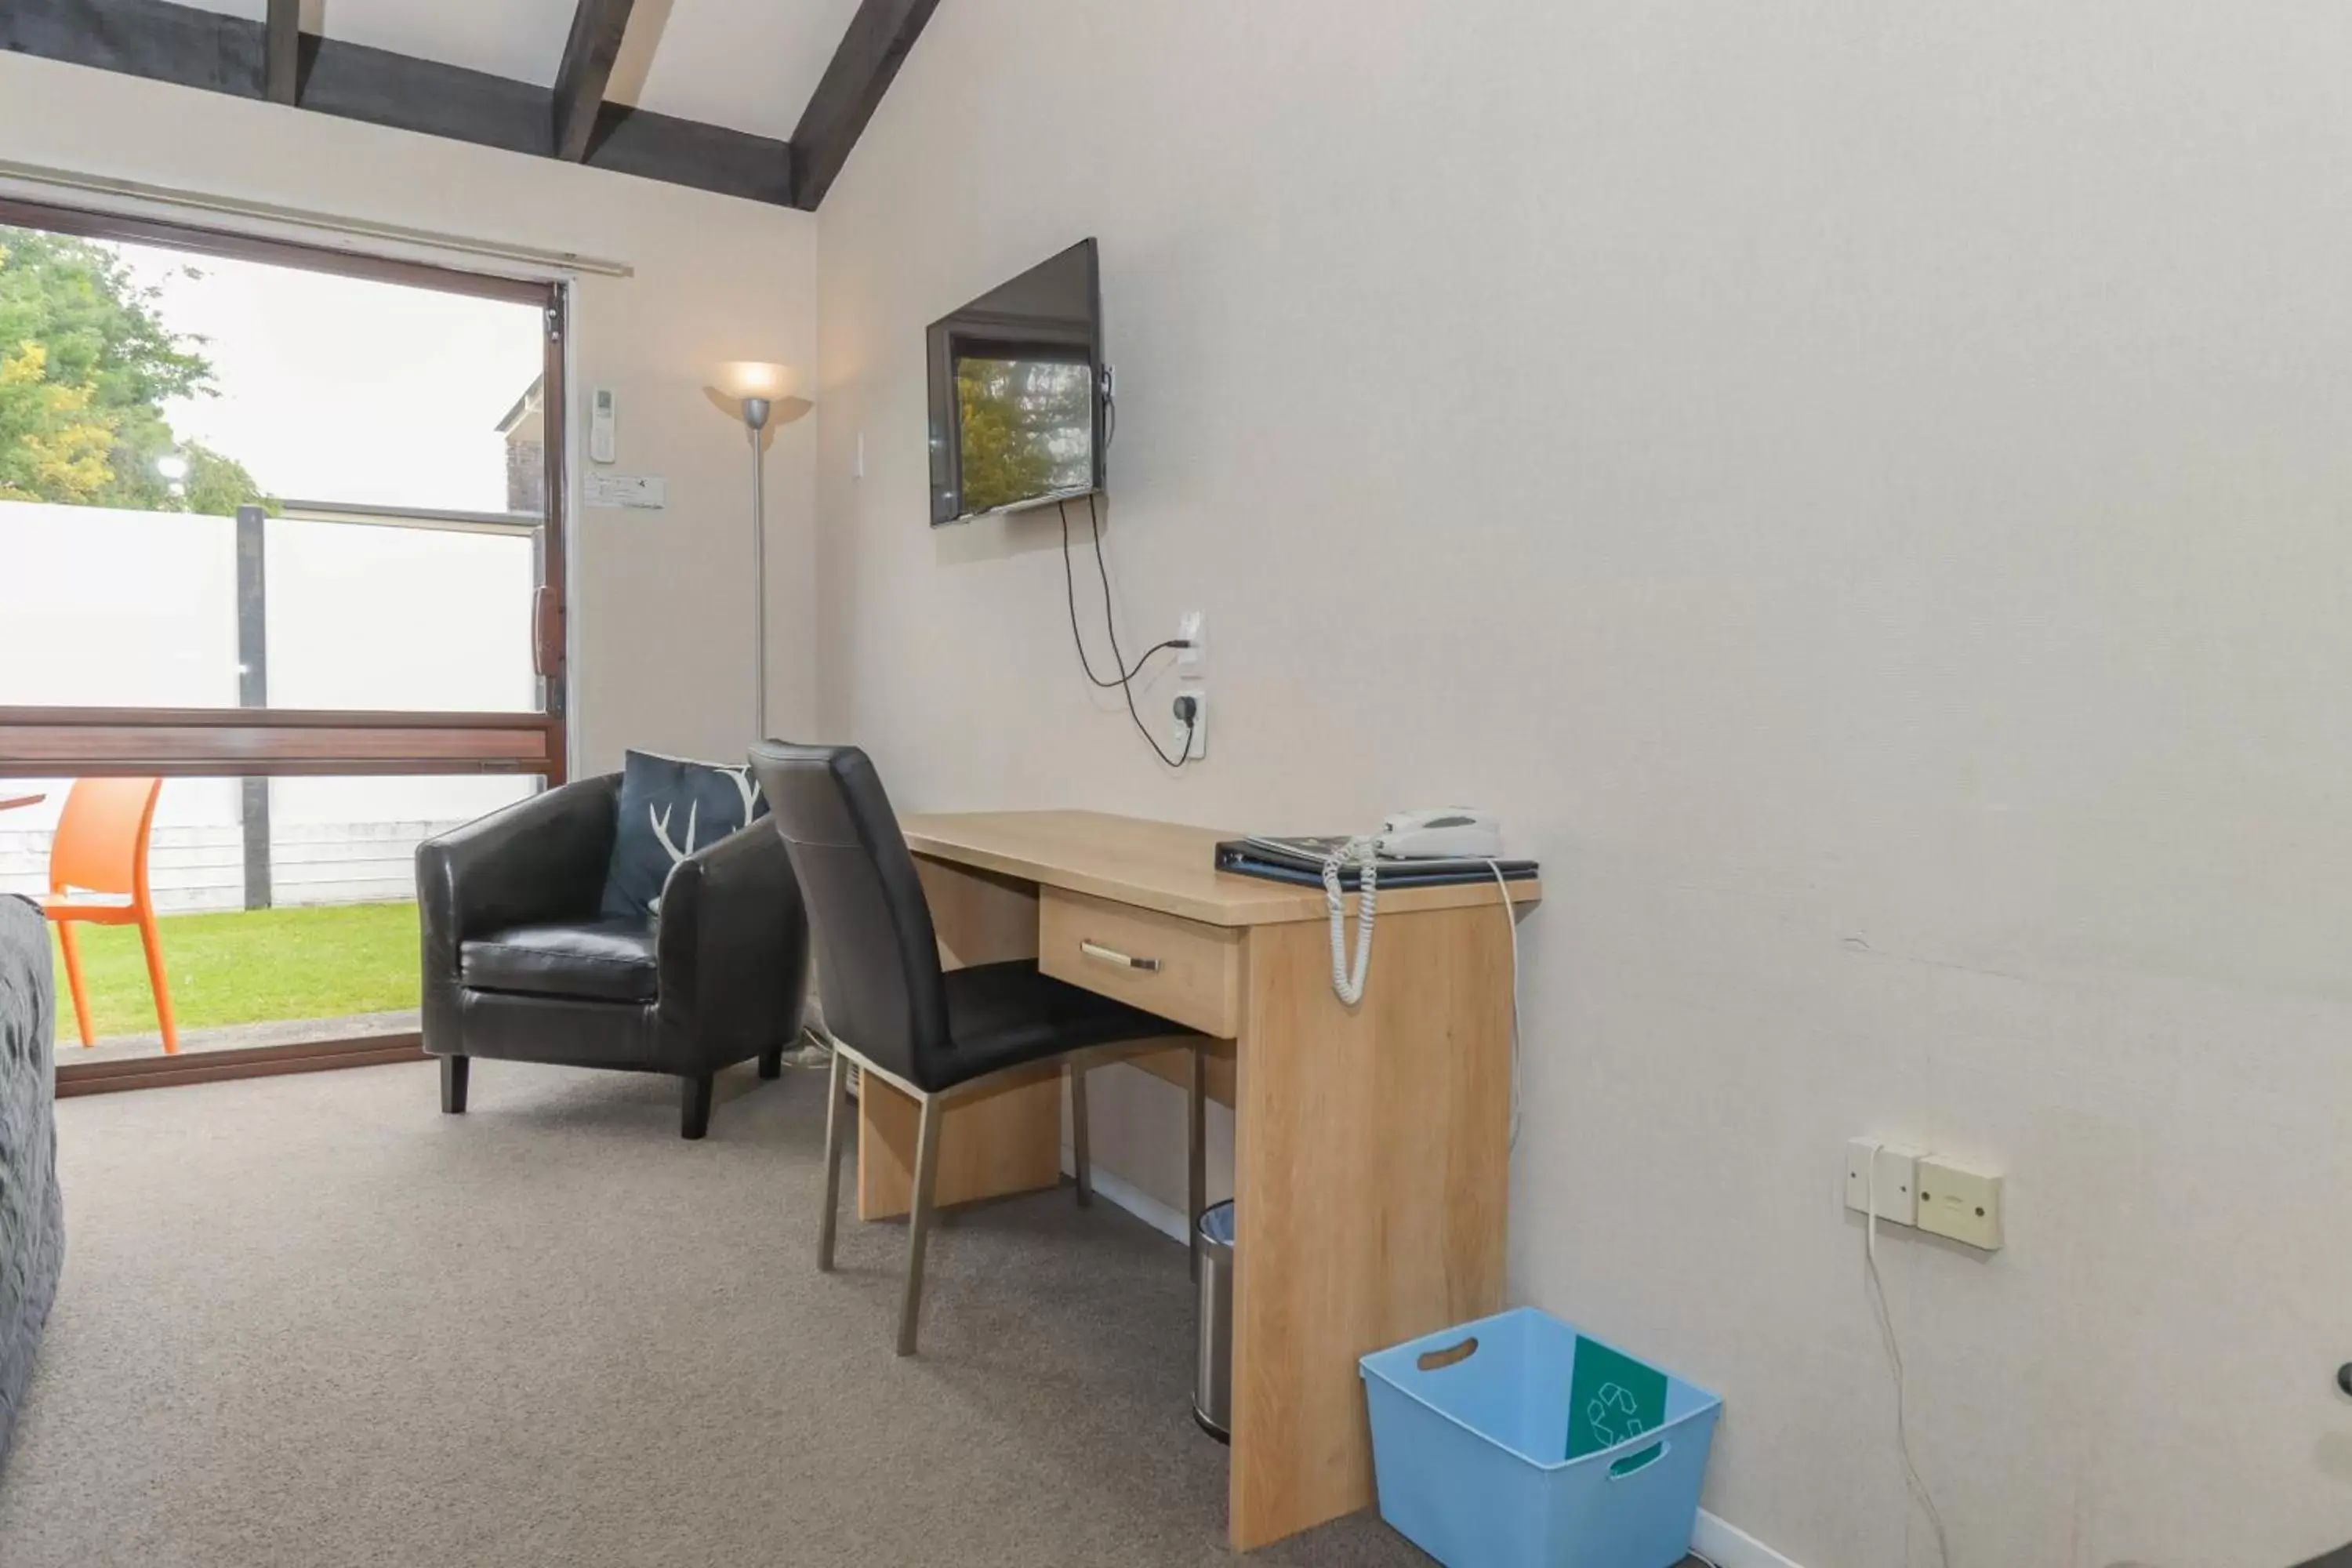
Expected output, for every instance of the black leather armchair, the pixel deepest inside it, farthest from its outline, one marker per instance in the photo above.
(521, 964)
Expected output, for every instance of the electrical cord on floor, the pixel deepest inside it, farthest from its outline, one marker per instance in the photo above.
(1126, 680)
(1911, 1476)
(811, 1051)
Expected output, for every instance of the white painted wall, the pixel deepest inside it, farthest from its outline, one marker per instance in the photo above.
(661, 604)
(1862, 490)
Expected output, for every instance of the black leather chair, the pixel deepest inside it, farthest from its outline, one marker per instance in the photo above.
(520, 964)
(890, 1008)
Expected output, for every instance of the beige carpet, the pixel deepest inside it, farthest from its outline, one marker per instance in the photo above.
(311, 1322)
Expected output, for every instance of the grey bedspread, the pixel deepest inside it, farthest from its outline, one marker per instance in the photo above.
(32, 1223)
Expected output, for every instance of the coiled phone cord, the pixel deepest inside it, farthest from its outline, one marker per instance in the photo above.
(1357, 851)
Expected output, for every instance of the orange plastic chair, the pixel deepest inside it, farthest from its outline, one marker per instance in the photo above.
(101, 848)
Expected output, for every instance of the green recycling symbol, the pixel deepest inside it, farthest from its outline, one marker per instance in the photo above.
(1613, 1414)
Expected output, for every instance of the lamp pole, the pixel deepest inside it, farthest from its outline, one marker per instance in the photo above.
(755, 419)
(755, 385)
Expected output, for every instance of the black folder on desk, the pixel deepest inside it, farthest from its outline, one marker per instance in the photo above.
(1301, 860)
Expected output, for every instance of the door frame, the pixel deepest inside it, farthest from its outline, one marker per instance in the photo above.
(282, 743)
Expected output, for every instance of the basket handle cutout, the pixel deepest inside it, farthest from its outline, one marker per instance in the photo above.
(1452, 1355)
(1633, 1464)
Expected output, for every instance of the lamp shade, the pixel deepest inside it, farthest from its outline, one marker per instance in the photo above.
(756, 378)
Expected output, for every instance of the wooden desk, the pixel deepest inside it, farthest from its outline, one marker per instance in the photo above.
(1371, 1159)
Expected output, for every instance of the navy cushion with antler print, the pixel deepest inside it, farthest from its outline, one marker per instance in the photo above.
(670, 807)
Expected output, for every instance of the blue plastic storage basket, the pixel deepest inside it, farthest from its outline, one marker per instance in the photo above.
(1469, 1450)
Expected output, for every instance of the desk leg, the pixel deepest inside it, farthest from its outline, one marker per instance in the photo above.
(1007, 1140)
(1371, 1181)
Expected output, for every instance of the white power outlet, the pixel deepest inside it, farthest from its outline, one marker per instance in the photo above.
(1897, 1186)
(1191, 629)
(1189, 739)
(1961, 1201)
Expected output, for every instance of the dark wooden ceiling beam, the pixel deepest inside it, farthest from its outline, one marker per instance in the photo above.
(588, 56)
(143, 38)
(879, 39)
(281, 70)
(174, 43)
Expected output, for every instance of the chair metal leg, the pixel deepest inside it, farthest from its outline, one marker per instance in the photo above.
(1081, 1158)
(836, 1123)
(454, 1074)
(919, 1219)
(1196, 1146)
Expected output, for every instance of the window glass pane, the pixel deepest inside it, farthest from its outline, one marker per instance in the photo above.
(372, 617)
(341, 389)
(106, 608)
(147, 395)
(319, 944)
(101, 607)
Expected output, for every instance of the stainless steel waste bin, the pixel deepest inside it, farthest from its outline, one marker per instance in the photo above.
(1212, 1374)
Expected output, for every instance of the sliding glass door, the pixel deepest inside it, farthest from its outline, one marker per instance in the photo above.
(280, 527)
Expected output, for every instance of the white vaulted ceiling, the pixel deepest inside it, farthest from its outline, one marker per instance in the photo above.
(747, 65)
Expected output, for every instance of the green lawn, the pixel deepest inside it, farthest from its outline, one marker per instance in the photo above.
(248, 967)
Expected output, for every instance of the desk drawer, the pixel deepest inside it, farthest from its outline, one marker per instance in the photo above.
(1177, 968)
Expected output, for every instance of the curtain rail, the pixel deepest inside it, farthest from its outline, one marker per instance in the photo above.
(179, 201)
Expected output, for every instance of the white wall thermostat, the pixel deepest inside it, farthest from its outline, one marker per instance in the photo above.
(600, 426)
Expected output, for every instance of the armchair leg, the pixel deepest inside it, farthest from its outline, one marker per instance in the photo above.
(454, 1072)
(1196, 1172)
(772, 1062)
(837, 1123)
(694, 1106)
(919, 1219)
(1081, 1158)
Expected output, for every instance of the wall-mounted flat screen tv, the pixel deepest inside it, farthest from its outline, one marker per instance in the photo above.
(1020, 396)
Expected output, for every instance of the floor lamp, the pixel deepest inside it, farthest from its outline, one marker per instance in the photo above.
(756, 385)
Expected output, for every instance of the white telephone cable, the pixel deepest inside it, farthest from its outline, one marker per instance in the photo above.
(1350, 988)
(1511, 919)
(1912, 1479)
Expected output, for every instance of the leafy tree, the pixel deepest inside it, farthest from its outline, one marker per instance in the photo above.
(217, 485)
(51, 446)
(86, 366)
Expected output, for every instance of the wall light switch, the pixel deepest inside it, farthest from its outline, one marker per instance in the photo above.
(1898, 1180)
(1960, 1202)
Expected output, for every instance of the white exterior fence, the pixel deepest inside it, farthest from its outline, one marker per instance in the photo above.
(105, 608)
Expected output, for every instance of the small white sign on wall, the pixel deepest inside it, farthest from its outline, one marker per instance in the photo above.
(639, 492)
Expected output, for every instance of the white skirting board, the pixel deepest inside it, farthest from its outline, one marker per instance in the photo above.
(1726, 1545)
(1167, 1221)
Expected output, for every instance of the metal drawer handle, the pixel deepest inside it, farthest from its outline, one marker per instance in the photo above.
(1112, 955)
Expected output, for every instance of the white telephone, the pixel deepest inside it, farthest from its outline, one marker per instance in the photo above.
(1446, 833)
